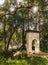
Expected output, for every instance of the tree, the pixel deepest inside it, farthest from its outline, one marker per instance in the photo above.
(44, 37)
(19, 15)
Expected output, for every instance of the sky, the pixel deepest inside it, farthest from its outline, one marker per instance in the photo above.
(1, 24)
(2, 2)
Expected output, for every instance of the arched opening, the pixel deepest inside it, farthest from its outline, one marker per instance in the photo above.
(34, 44)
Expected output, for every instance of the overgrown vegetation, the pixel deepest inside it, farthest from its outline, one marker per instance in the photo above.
(17, 18)
(26, 61)
(44, 37)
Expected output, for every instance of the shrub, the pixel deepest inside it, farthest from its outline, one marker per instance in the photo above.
(3, 61)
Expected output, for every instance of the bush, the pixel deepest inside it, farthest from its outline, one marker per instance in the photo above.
(3, 61)
(6, 54)
(27, 61)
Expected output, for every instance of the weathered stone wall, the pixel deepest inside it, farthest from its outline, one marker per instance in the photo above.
(30, 36)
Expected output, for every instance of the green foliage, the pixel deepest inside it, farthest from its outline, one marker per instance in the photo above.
(27, 61)
(18, 19)
(3, 61)
(44, 36)
(7, 54)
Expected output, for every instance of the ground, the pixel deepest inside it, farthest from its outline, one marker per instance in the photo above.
(26, 61)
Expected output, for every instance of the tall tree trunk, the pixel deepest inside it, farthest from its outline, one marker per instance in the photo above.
(23, 38)
(5, 33)
(10, 39)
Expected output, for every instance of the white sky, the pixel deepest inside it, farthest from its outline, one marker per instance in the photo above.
(2, 2)
(1, 24)
(18, 1)
(35, 9)
(11, 8)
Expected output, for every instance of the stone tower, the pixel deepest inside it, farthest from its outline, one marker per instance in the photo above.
(32, 42)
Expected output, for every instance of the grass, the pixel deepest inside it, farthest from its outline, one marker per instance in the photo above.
(26, 61)
(22, 60)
